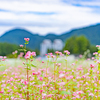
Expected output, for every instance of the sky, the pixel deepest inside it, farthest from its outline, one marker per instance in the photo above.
(48, 16)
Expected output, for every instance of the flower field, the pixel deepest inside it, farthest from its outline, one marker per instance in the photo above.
(52, 79)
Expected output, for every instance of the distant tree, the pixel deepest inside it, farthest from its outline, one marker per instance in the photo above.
(7, 49)
(77, 45)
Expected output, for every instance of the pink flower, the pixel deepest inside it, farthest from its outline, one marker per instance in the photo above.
(41, 91)
(92, 58)
(92, 66)
(61, 75)
(57, 52)
(49, 96)
(4, 57)
(59, 64)
(73, 63)
(41, 79)
(28, 55)
(80, 56)
(67, 52)
(1, 57)
(95, 90)
(1, 92)
(71, 77)
(25, 82)
(21, 45)
(26, 39)
(79, 92)
(61, 83)
(95, 53)
(42, 61)
(83, 76)
(34, 73)
(91, 94)
(33, 53)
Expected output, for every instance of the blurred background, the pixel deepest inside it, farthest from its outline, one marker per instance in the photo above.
(51, 25)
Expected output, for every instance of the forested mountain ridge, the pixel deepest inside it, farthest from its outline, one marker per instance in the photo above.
(16, 36)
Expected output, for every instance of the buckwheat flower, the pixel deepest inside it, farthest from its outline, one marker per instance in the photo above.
(67, 52)
(28, 55)
(59, 64)
(4, 57)
(71, 77)
(80, 56)
(21, 45)
(25, 82)
(97, 72)
(41, 79)
(42, 61)
(79, 92)
(41, 91)
(12, 98)
(92, 58)
(24, 63)
(97, 45)
(53, 56)
(60, 53)
(33, 53)
(13, 53)
(61, 75)
(95, 53)
(49, 96)
(57, 52)
(50, 54)
(91, 94)
(95, 90)
(61, 83)
(92, 66)
(1, 57)
(73, 63)
(26, 39)
(1, 92)
(83, 76)
(16, 51)
(34, 73)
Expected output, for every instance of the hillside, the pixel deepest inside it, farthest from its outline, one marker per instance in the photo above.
(16, 36)
(91, 32)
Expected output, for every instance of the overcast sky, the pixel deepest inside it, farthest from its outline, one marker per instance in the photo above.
(45, 16)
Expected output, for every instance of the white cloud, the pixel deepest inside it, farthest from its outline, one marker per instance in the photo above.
(64, 16)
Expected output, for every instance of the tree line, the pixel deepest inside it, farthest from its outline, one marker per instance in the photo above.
(78, 45)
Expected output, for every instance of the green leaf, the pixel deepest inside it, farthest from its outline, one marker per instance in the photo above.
(99, 51)
(33, 65)
(21, 49)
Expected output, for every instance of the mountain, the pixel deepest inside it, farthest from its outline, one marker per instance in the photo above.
(16, 36)
(91, 32)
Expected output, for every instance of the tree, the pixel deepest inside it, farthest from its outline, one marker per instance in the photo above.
(77, 45)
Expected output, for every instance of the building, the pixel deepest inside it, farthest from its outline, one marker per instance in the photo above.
(44, 46)
(58, 45)
(47, 44)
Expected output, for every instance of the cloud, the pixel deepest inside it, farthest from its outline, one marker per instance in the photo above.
(44, 16)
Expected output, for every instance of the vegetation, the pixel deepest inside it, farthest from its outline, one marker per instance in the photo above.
(16, 36)
(53, 79)
(78, 45)
(6, 49)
